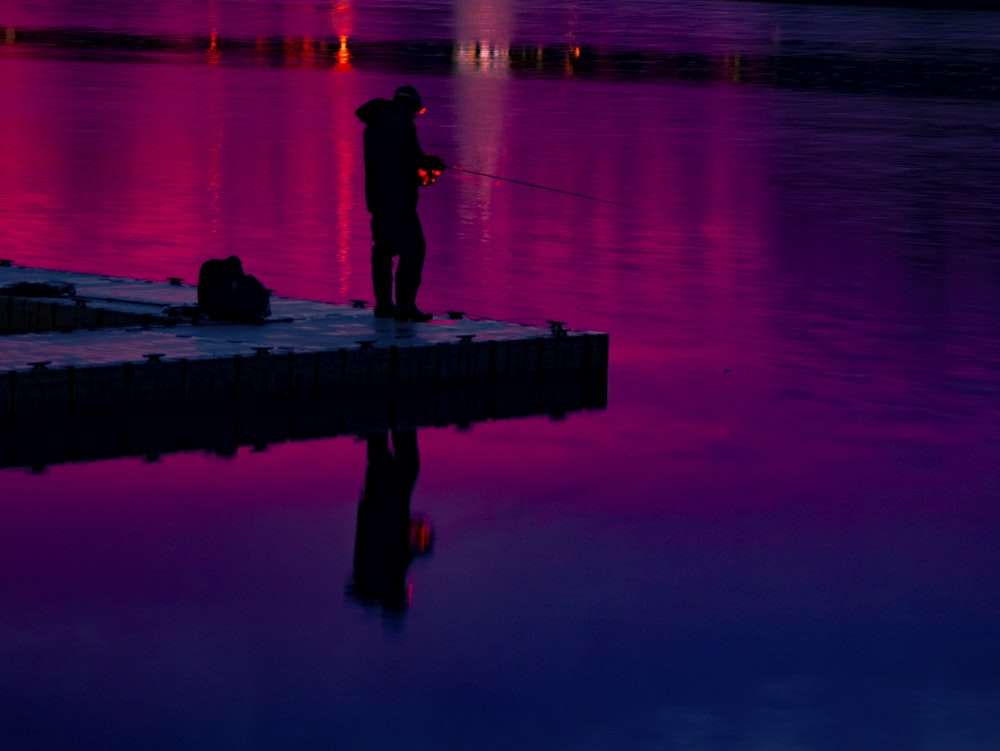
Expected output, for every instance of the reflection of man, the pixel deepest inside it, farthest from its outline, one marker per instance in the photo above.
(387, 539)
(395, 167)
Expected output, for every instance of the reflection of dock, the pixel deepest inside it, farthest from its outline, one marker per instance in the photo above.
(109, 371)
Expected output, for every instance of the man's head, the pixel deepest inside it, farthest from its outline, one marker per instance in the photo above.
(411, 97)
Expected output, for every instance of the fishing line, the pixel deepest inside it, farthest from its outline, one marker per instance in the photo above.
(540, 187)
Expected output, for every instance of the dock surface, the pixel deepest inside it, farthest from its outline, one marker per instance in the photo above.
(115, 320)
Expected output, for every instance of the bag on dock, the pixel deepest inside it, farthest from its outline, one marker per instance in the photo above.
(226, 293)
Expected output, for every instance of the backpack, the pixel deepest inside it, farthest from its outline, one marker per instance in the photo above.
(225, 293)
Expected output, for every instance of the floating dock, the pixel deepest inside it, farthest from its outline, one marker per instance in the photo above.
(113, 351)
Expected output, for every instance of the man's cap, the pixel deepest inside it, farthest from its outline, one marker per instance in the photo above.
(409, 95)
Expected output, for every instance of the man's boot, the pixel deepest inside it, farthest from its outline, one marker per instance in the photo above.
(408, 276)
(407, 309)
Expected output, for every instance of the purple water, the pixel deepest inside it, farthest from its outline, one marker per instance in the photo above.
(781, 533)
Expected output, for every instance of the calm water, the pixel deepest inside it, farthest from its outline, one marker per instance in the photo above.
(782, 531)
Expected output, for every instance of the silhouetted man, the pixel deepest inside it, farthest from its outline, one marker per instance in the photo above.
(395, 168)
(388, 538)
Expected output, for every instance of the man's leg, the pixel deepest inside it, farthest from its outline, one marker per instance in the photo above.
(411, 265)
(382, 269)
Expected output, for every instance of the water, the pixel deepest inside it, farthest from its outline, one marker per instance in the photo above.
(779, 534)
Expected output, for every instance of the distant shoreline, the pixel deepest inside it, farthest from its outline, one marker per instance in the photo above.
(976, 5)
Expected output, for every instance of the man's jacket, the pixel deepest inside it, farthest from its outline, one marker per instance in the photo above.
(392, 156)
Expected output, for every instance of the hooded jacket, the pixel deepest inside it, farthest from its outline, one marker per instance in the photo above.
(392, 156)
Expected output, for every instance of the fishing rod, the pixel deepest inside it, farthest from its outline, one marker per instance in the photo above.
(540, 187)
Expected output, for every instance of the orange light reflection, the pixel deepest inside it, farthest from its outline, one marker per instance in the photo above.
(213, 48)
(343, 54)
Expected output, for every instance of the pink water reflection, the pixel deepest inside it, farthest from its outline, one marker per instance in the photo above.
(733, 262)
(731, 282)
(799, 448)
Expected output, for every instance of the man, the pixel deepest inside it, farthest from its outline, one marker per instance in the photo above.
(395, 168)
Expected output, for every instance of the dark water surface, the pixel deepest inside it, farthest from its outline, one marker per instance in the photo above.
(782, 531)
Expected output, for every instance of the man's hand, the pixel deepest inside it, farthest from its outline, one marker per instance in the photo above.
(431, 168)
